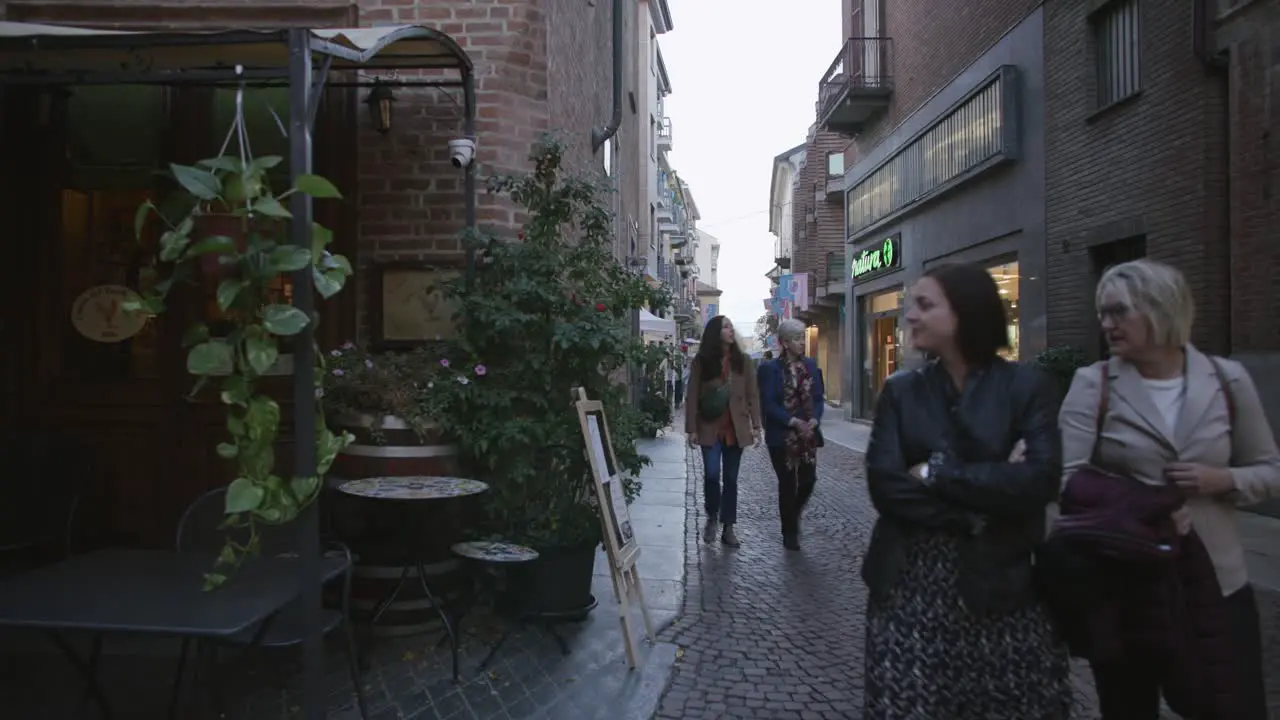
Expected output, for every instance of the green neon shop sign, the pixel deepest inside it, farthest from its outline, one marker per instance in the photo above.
(880, 259)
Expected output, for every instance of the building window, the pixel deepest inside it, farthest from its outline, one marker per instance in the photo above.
(972, 134)
(1117, 32)
(1007, 280)
(653, 52)
(835, 164)
(653, 137)
(881, 344)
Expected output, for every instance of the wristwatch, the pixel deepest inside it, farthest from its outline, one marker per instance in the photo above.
(932, 470)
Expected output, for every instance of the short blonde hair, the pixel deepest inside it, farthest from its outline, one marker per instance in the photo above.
(790, 329)
(1157, 291)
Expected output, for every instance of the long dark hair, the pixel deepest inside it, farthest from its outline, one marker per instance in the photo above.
(982, 326)
(711, 351)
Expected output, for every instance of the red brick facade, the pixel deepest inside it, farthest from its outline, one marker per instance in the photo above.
(1154, 165)
(1247, 31)
(540, 66)
(932, 42)
(824, 233)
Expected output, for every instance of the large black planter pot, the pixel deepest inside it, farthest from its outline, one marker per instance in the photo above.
(558, 583)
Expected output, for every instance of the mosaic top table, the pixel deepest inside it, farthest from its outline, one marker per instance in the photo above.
(407, 492)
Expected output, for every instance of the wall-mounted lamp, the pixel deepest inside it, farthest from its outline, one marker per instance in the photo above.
(379, 102)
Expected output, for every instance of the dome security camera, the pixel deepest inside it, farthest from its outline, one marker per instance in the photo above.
(462, 151)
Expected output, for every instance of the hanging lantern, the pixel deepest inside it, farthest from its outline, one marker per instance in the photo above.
(379, 102)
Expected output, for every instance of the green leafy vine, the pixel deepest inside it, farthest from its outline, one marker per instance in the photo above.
(237, 232)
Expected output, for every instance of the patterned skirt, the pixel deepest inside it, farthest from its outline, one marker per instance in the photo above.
(929, 659)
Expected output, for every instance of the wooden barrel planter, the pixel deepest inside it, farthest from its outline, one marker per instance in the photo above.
(373, 530)
(393, 450)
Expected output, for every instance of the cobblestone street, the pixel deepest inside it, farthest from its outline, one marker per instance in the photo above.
(773, 634)
(769, 633)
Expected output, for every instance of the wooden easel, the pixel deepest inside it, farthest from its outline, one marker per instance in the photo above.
(619, 540)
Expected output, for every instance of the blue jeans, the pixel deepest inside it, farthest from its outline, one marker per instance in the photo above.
(723, 501)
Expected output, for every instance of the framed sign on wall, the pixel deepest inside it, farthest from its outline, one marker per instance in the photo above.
(408, 302)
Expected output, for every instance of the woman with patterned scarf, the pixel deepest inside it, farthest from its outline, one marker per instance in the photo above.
(791, 398)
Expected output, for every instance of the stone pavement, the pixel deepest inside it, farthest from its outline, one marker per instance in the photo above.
(409, 678)
(767, 633)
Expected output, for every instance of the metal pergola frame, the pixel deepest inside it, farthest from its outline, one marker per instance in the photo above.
(49, 55)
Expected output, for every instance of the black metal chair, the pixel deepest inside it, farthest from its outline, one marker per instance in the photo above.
(41, 475)
(200, 530)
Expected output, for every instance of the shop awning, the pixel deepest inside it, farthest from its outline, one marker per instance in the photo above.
(34, 50)
(650, 323)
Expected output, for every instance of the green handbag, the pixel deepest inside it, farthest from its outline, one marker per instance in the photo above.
(713, 401)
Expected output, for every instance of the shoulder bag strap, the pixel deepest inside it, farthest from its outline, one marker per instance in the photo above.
(1226, 391)
(1104, 404)
(1229, 399)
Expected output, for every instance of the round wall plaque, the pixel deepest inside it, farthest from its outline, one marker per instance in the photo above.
(99, 314)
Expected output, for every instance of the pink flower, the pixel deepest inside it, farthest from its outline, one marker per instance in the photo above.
(481, 370)
(444, 362)
(600, 307)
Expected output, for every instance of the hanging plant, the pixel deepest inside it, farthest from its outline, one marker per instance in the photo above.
(237, 231)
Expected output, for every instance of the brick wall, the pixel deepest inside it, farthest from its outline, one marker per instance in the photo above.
(826, 232)
(410, 195)
(540, 67)
(580, 73)
(1251, 36)
(932, 42)
(1154, 164)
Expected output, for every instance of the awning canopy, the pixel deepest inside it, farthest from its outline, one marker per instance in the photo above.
(650, 323)
(34, 51)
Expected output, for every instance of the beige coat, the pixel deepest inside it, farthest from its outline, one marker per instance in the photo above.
(744, 406)
(1137, 443)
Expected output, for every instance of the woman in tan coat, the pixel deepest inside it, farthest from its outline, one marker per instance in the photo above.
(722, 416)
(1174, 415)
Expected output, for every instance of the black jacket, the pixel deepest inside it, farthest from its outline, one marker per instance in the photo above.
(995, 508)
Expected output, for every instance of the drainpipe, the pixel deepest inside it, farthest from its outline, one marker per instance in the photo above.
(601, 135)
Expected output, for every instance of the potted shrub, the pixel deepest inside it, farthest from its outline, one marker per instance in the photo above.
(655, 403)
(1060, 362)
(394, 398)
(244, 344)
(550, 311)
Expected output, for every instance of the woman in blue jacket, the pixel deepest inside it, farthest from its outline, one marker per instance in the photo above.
(791, 400)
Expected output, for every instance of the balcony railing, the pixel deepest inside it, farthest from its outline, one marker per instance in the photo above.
(664, 134)
(834, 272)
(863, 68)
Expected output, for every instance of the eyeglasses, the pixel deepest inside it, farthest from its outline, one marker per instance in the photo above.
(1116, 312)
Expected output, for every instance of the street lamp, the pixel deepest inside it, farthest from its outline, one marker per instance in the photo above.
(379, 102)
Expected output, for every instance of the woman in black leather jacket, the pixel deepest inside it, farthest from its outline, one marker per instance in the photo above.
(964, 458)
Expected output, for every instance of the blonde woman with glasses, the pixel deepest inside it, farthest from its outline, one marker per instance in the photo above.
(1164, 423)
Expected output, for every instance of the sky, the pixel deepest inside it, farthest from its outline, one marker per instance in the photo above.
(744, 78)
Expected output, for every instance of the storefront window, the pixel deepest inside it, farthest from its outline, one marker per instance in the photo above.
(881, 352)
(1006, 277)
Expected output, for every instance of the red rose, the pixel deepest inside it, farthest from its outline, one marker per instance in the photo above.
(600, 307)
(684, 348)
(520, 236)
